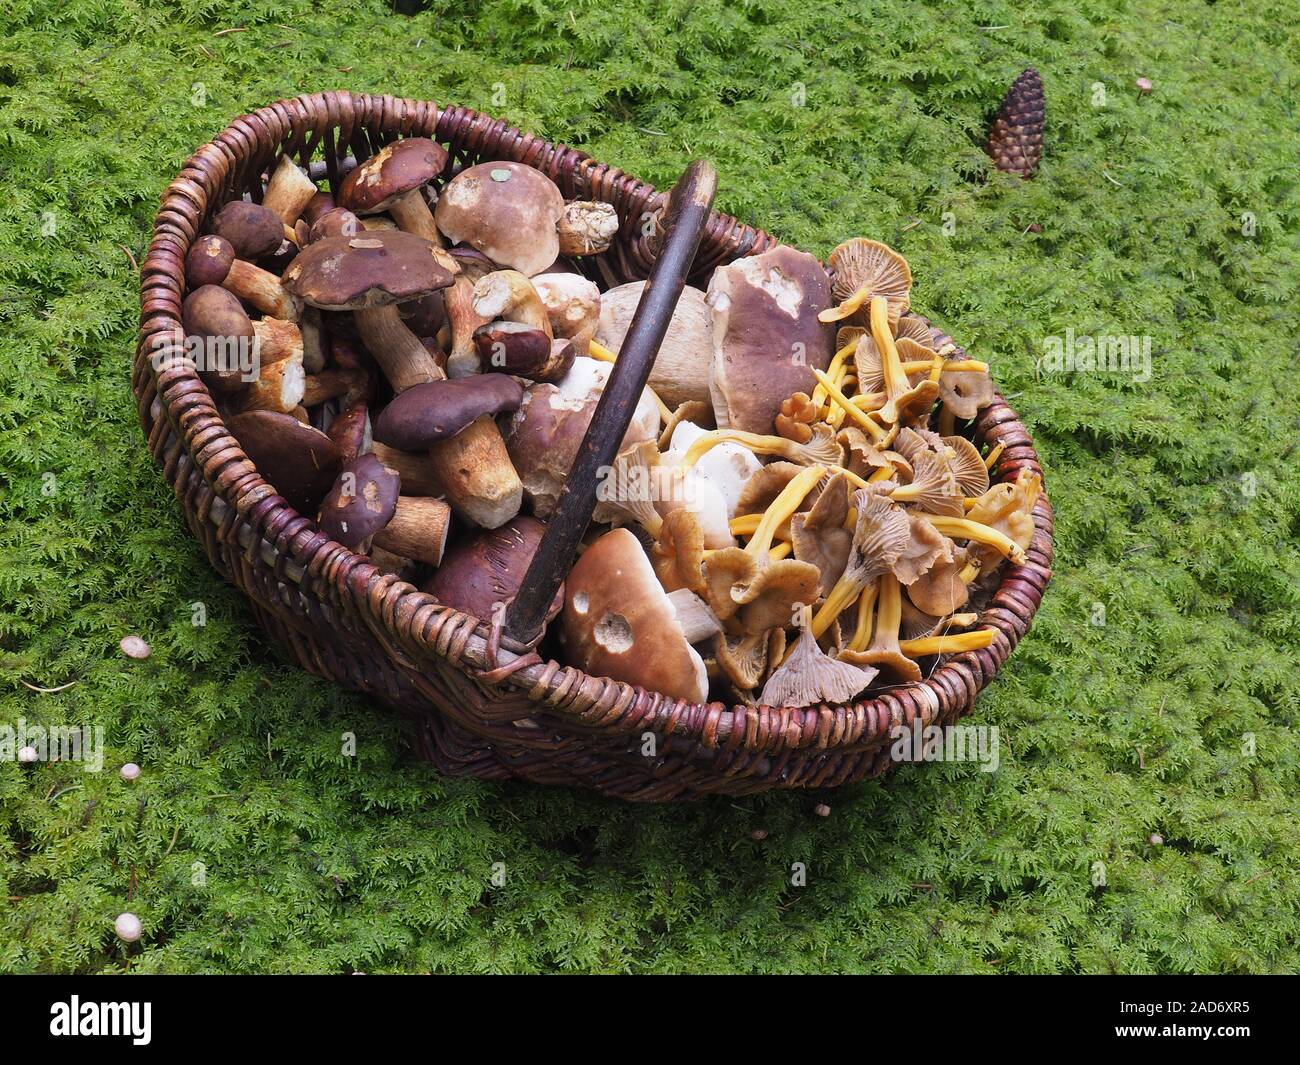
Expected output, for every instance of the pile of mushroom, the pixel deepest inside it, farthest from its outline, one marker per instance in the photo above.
(795, 516)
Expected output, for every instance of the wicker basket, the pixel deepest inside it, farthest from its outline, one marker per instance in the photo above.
(342, 619)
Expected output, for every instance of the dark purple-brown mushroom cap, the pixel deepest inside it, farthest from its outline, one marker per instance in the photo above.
(362, 501)
(300, 462)
(254, 231)
(208, 261)
(397, 169)
(372, 269)
(489, 567)
(438, 410)
(350, 431)
(212, 311)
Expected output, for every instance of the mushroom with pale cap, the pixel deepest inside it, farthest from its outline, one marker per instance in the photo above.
(506, 210)
(545, 433)
(767, 339)
(587, 227)
(618, 622)
(809, 676)
(366, 506)
(864, 268)
(681, 370)
(211, 260)
(393, 180)
(572, 306)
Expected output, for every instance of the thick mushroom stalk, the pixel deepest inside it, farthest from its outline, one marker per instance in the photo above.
(393, 180)
(402, 356)
(212, 261)
(289, 191)
(587, 227)
(508, 295)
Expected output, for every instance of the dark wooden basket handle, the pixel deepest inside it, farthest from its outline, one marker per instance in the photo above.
(689, 205)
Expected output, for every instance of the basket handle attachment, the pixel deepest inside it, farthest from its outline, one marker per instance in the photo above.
(688, 209)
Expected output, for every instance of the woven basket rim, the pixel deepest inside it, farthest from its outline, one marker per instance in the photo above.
(410, 623)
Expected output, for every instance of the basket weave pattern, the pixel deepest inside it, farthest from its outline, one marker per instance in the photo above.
(342, 619)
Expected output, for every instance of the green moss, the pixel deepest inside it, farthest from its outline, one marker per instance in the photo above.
(1110, 733)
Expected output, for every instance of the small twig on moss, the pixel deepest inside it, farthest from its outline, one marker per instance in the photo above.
(236, 29)
(134, 265)
(48, 691)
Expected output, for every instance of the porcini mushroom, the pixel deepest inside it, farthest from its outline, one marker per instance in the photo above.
(454, 422)
(393, 180)
(211, 260)
(521, 350)
(509, 295)
(506, 210)
(482, 574)
(572, 306)
(298, 461)
(369, 275)
(681, 370)
(547, 430)
(289, 191)
(618, 622)
(366, 506)
(254, 230)
(766, 335)
(214, 318)
(809, 676)
(463, 320)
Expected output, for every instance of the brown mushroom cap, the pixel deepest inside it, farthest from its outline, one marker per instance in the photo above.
(438, 410)
(395, 170)
(506, 210)
(212, 312)
(766, 335)
(810, 676)
(254, 231)
(860, 263)
(519, 349)
(336, 222)
(618, 622)
(208, 261)
(300, 462)
(489, 567)
(361, 502)
(372, 269)
(350, 431)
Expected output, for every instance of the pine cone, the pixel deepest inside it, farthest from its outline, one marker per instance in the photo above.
(1016, 135)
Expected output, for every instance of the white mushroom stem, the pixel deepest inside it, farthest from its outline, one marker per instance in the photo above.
(279, 386)
(696, 620)
(288, 192)
(463, 320)
(411, 212)
(418, 529)
(509, 295)
(263, 290)
(406, 362)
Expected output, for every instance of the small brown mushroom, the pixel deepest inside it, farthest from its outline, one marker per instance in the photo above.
(521, 350)
(880, 537)
(254, 230)
(618, 622)
(215, 320)
(506, 210)
(865, 268)
(393, 180)
(211, 260)
(336, 222)
(454, 422)
(351, 434)
(509, 295)
(884, 652)
(820, 537)
(366, 506)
